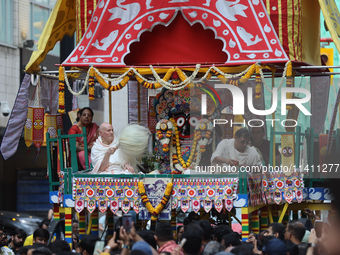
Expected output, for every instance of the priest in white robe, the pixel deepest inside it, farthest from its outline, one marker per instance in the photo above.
(106, 156)
(236, 151)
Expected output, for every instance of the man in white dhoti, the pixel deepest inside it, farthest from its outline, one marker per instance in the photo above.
(236, 152)
(105, 154)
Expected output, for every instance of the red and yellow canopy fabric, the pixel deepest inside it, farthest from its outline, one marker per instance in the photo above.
(243, 26)
(85, 9)
(296, 23)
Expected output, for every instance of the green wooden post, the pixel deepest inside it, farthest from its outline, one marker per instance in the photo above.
(73, 150)
(85, 150)
(61, 159)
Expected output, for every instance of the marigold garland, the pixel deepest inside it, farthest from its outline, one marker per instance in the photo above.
(238, 81)
(156, 85)
(119, 86)
(258, 81)
(178, 147)
(155, 211)
(289, 83)
(91, 85)
(179, 80)
(61, 90)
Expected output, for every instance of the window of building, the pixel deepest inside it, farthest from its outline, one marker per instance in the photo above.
(6, 21)
(40, 12)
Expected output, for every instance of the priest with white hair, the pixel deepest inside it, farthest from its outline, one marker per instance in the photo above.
(111, 155)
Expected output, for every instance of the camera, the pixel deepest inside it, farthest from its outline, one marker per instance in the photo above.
(4, 108)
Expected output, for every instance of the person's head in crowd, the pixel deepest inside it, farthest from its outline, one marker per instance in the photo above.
(3, 236)
(41, 251)
(86, 116)
(212, 248)
(18, 238)
(263, 240)
(243, 249)
(40, 236)
(32, 248)
(106, 132)
(75, 241)
(276, 229)
(221, 230)
(59, 246)
(242, 139)
(44, 224)
(231, 240)
(295, 231)
(207, 230)
(275, 247)
(180, 231)
(193, 244)
(163, 232)
(258, 135)
(79, 249)
(141, 246)
(75, 226)
(23, 250)
(87, 244)
(149, 237)
(292, 248)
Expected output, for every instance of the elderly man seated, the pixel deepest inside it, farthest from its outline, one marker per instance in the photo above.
(105, 154)
(236, 152)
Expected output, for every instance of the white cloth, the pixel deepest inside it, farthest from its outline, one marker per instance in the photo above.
(6, 251)
(226, 149)
(116, 161)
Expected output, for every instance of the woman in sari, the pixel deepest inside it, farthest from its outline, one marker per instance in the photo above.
(86, 115)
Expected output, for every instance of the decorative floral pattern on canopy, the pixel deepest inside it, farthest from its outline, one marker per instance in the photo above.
(243, 26)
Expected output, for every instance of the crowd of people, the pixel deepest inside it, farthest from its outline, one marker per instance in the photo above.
(198, 237)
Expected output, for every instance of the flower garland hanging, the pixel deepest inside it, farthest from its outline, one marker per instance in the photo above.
(61, 90)
(177, 76)
(223, 78)
(105, 85)
(91, 86)
(155, 85)
(258, 82)
(289, 83)
(183, 164)
(155, 211)
(164, 126)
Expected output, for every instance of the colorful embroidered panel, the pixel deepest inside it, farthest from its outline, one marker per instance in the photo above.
(244, 28)
(123, 193)
(278, 188)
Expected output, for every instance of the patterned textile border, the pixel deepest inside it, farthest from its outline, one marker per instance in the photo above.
(124, 192)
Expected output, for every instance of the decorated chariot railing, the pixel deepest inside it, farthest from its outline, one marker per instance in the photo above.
(263, 198)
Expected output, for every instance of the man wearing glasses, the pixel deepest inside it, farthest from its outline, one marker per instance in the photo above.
(236, 151)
